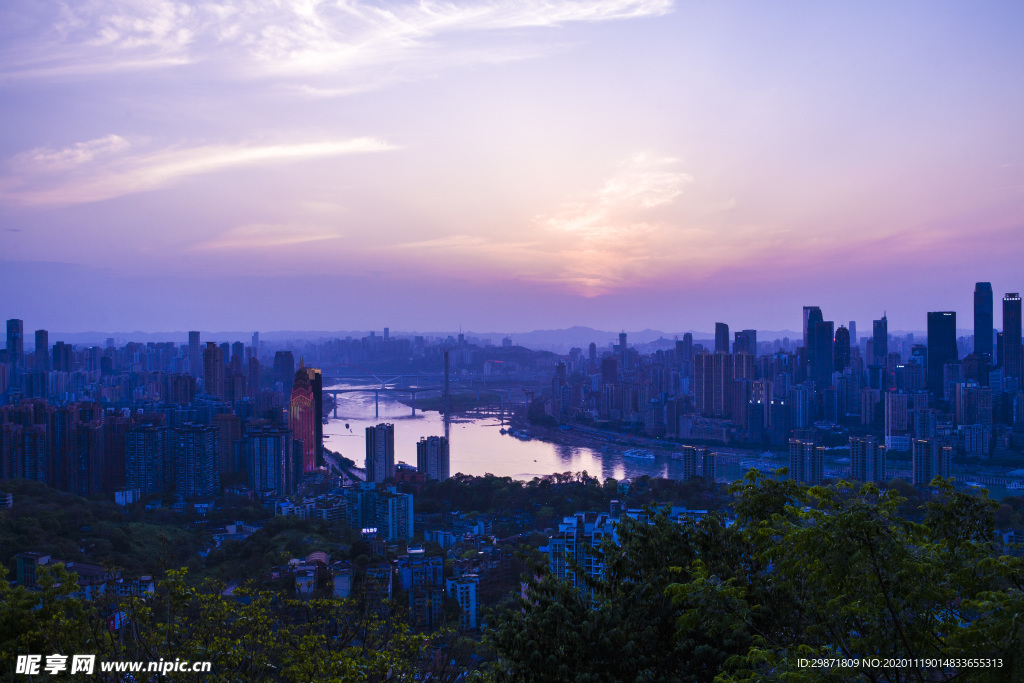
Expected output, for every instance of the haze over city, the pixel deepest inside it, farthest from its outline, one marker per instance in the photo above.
(621, 164)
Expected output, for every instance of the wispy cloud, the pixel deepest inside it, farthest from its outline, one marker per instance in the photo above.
(111, 166)
(267, 37)
(263, 235)
(616, 236)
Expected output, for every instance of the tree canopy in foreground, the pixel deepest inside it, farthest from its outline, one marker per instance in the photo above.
(805, 573)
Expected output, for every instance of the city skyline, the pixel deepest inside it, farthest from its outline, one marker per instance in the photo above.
(619, 164)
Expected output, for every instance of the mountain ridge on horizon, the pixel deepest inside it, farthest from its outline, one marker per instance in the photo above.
(546, 339)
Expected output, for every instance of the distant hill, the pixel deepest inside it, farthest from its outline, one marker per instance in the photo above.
(557, 340)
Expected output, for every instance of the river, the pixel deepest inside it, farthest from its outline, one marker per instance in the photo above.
(478, 447)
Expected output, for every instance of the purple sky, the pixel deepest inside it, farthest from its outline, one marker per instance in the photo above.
(508, 164)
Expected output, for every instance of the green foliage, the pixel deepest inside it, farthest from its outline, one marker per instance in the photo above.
(251, 636)
(557, 495)
(806, 572)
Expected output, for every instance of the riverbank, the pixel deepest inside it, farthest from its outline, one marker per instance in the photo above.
(583, 436)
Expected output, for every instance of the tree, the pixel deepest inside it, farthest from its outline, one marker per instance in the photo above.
(805, 572)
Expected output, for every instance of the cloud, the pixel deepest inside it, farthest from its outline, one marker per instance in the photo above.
(615, 236)
(623, 233)
(110, 167)
(272, 38)
(45, 159)
(262, 235)
(464, 243)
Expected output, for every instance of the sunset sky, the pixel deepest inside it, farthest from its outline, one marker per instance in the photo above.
(506, 164)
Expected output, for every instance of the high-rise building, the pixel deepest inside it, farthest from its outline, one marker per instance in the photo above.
(432, 458)
(195, 355)
(880, 341)
(213, 370)
(194, 452)
(609, 370)
(1012, 349)
(15, 350)
(713, 383)
(380, 453)
(463, 589)
(63, 358)
(822, 353)
(721, 338)
(42, 350)
(867, 460)
(237, 357)
(854, 341)
(268, 457)
(284, 368)
(381, 509)
(622, 352)
(745, 342)
(841, 350)
(302, 417)
(689, 458)
(709, 467)
(229, 433)
(929, 459)
(147, 459)
(806, 462)
(316, 383)
(897, 421)
(687, 347)
(812, 316)
(983, 324)
(941, 346)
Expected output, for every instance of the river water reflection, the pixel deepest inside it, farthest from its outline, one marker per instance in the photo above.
(479, 447)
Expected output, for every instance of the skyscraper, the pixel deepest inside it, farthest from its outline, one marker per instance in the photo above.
(841, 350)
(822, 354)
(432, 458)
(380, 452)
(687, 347)
(941, 346)
(812, 315)
(713, 384)
(1012, 351)
(854, 341)
(63, 357)
(42, 350)
(721, 338)
(983, 319)
(745, 342)
(213, 370)
(867, 459)
(284, 368)
(929, 459)
(268, 458)
(237, 357)
(302, 417)
(806, 462)
(15, 349)
(194, 453)
(147, 458)
(880, 340)
(195, 356)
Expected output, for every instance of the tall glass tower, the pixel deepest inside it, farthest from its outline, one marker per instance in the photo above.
(983, 319)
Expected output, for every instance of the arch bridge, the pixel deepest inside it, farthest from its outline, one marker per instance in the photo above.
(392, 385)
